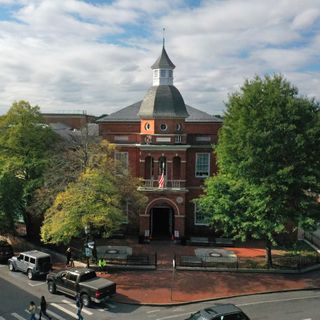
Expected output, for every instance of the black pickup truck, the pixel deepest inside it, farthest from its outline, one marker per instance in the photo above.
(84, 281)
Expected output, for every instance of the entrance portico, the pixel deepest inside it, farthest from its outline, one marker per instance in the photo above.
(162, 219)
(161, 222)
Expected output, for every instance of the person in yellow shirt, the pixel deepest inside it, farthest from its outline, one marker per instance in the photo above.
(102, 264)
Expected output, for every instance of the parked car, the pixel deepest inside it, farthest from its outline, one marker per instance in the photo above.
(34, 263)
(220, 312)
(83, 281)
(6, 251)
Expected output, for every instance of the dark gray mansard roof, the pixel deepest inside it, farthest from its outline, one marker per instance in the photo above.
(163, 102)
(163, 62)
(130, 114)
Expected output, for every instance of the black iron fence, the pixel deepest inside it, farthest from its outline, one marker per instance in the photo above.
(134, 260)
(279, 262)
(313, 238)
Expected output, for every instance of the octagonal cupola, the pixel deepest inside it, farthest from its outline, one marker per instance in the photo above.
(163, 99)
(163, 70)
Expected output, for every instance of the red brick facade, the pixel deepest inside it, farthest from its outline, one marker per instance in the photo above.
(74, 121)
(171, 207)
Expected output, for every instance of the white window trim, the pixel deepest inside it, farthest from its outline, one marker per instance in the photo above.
(209, 159)
(122, 152)
(195, 218)
(165, 127)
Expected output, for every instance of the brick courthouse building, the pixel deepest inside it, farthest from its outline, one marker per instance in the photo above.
(158, 138)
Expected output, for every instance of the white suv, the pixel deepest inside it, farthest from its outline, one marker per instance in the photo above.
(33, 263)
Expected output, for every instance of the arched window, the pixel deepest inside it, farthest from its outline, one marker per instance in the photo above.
(148, 168)
(162, 166)
(176, 165)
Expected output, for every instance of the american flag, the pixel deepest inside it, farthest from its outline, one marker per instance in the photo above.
(161, 181)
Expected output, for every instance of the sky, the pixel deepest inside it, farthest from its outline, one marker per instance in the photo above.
(94, 56)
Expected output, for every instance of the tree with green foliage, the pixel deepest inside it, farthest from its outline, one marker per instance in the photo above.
(269, 163)
(68, 159)
(25, 146)
(63, 167)
(97, 198)
(11, 201)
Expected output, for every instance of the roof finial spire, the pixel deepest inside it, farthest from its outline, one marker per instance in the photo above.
(163, 38)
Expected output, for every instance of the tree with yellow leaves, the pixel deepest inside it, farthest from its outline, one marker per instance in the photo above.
(97, 198)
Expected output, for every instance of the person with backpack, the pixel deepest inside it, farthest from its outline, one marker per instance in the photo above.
(43, 308)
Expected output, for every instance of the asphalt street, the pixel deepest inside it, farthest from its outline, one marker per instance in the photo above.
(16, 291)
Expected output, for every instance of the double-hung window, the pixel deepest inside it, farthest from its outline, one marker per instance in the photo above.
(126, 212)
(202, 165)
(122, 158)
(200, 218)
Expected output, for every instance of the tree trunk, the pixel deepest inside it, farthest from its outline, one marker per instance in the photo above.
(269, 254)
(33, 225)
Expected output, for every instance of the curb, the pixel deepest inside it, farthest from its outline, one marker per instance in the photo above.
(243, 270)
(212, 299)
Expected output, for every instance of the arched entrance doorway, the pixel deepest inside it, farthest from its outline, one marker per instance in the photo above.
(161, 221)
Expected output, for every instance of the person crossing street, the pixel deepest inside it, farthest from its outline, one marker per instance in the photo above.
(43, 308)
(32, 310)
(79, 305)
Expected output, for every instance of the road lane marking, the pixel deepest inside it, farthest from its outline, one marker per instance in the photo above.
(177, 309)
(152, 311)
(36, 284)
(175, 316)
(56, 316)
(278, 300)
(17, 316)
(70, 313)
(73, 306)
(248, 304)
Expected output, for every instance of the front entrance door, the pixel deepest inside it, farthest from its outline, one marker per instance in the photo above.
(161, 222)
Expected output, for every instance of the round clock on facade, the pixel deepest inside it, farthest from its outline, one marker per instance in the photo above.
(179, 200)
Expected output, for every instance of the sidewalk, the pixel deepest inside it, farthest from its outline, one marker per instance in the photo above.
(168, 286)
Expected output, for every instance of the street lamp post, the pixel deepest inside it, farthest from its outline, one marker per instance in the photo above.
(86, 245)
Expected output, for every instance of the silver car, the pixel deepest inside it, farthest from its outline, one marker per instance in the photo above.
(33, 263)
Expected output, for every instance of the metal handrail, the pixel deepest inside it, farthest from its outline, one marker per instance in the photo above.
(171, 184)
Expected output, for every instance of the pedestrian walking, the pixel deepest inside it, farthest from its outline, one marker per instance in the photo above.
(68, 256)
(43, 308)
(79, 305)
(32, 310)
